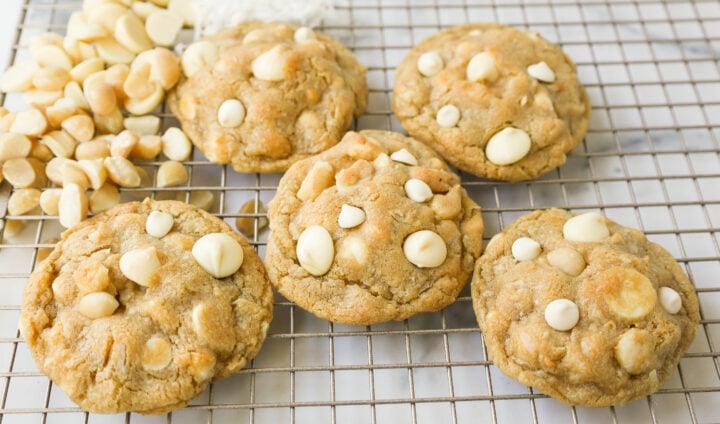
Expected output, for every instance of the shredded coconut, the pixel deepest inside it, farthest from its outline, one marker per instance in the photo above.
(216, 15)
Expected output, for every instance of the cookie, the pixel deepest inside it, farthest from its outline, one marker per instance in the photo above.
(264, 95)
(583, 309)
(376, 228)
(139, 308)
(492, 100)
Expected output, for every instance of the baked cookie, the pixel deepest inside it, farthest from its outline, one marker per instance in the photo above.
(492, 100)
(264, 95)
(583, 309)
(140, 307)
(374, 229)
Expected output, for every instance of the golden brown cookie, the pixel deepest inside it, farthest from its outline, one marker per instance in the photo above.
(376, 228)
(264, 95)
(583, 309)
(492, 100)
(126, 314)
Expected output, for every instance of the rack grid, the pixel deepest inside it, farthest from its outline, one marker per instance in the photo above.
(651, 160)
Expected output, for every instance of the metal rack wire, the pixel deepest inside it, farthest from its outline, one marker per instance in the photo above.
(651, 160)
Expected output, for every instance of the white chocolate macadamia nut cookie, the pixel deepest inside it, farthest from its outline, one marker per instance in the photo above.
(261, 96)
(462, 89)
(122, 317)
(376, 228)
(583, 309)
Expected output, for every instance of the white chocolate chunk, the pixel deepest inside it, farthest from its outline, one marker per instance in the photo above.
(541, 72)
(163, 27)
(219, 254)
(525, 249)
(270, 65)
(562, 314)
(507, 146)
(97, 305)
(418, 190)
(304, 34)
(197, 56)
(567, 260)
(670, 300)
(138, 265)
(587, 227)
(157, 353)
(448, 116)
(315, 250)
(158, 224)
(350, 216)
(482, 68)
(430, 63)
(231, 113)
(635, 350)
(403, 156)
(425, 249)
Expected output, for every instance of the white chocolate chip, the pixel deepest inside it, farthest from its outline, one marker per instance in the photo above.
(197, 56)
(567, 260)
(304, 34)
(315, 250)
(507, 146)
(417, 190)
(425, 249)
(158, 224)
(562, 314)
(430, 63)
(403, 156)
(587, 227)
(482, 68)
(350, 216)
(670, 300)
(219, 254)
(231, 113)
(157, 353)
(525, 249)
(163, 27)
(97, 305)
(270, 65)
(176, 145)
(635, 350)
(72, 206)
(541, 71)
(138, 265)
(448, 116)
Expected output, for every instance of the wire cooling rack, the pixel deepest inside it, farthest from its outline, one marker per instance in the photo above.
(650, 161)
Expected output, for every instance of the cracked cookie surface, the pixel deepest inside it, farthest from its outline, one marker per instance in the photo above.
(113, 344)
(583, 309)
(377, 228)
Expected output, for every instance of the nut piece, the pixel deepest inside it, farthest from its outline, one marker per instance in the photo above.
(72, 206)
(184, 8)
(157, 353)
(122, 172)
(110, 124)
(270, 65)
(98, 305)
(320, 177)
(84, 69)
(482, 68)
(72, 173)
(158, 224)
(60, 143)
(60, 111)
(350, 216)
(197, 56)
(586, 227)
(18, 77)
(101, 98)
(176, 145)
(164, 66)
(23, 200)
(130, 32)
(404, 156)
(104, 198)
(448, 116)
(29, 122)
(50, 201)
(80, 127)
(525, 249)
(148, 147)
(139, 265)
(541, 72)
(507, 146)
(54, 169)
(92, 276)
(628, 293)
(219, 254)
(202, 199)
(51, 55)
(231, 113)
(635, 351)
(163, 27)
(430, 63)
(304, 34)
(95, 171)
(24, 172)
(171, 174)
(448, 206)
(418, 190)
(567, 260)
(246, 224)
(98, 148)
(353, 251)
(670, 300)
(144, 105)
(51, 78)
(123, 143)
(143, 125)
(14, 146)
(425, 249)
(562, 314)
(113, 52)
(315, 250)
(11, 228)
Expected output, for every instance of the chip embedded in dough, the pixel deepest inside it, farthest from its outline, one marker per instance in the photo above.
(583, 321)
